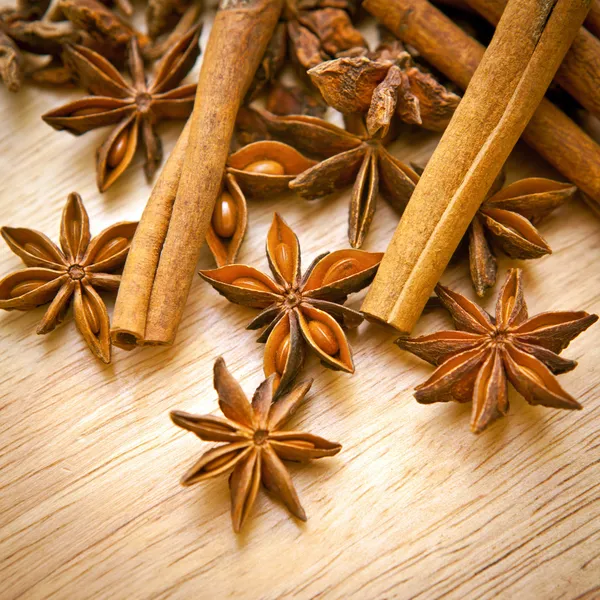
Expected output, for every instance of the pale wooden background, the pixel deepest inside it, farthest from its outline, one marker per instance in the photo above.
(415, 506)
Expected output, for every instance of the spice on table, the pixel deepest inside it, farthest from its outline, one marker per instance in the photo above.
(134, 108)
(358, 160)
(299, 310)
(69, 275)
(261, 169)
(294, 100)
(519, 64)
(476, 361)
(172, 230)
(255, 444)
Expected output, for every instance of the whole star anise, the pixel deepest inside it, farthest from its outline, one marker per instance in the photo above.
(506, 220)
(255, 444)
(134, 108)
(299, 310)
(476, 361)
(354, 160)
(68, 275)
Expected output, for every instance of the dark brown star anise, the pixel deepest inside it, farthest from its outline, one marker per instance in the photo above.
(255, 443)
(261, 169)
(134, 108)
(358, 160)
(299, 310)
(506, 220)
(27, 28)
(476, 361)
(69, 275)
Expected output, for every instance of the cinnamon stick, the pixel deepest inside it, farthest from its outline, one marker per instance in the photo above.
(163, 257)
(524, 54)
(579, 73)
(592, 21)
(448, 48)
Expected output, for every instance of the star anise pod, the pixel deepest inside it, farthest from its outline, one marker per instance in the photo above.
(475, 362)
(506, 220)
(68, 275)
(134, 108)
(383, 84)
(255, 443)
(261, 169)
(299, 310)
(27, 29)
(357, 160)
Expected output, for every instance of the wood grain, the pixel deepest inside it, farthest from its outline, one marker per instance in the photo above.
(414, 506)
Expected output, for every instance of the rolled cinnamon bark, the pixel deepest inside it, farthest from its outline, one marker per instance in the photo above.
(592, 21)
(162, 259)
(448, 48)
(579, 73)
(524, 54)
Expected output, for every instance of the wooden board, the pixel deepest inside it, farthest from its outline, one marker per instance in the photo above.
(415, 506)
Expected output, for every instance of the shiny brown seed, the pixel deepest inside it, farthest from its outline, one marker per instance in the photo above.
(111, 248)
(265, 167)
(285, 261)
(37, 251)
(282, 354)
(118, 149)
(323, 337)
(225, 216)
(91, 316)
(25, 287)
(84, 112)
(218, 462)
(340, 270)
(251, 284)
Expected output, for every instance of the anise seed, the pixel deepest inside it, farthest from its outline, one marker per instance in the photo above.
(340, 270)
(251, 284)
(111, 248)
(91, 316)
(281, 356)
(118, 149)
(323, 337)
(25, 287)
(284, 260)
(224, 216)
(265, 167)
(37, 251)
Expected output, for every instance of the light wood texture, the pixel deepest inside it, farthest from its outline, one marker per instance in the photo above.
(415, 506)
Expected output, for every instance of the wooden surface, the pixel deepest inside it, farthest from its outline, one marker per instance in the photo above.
(415, 506)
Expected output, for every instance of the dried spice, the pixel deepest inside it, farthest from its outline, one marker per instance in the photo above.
(506, 221)
(69, 275)
(476, 361)
(134, 108)
(294, 100)
(383, 84)
(28, 29)
(299, 310)
(261, 169)
(163, 15)
(358, 160)
(255, 443)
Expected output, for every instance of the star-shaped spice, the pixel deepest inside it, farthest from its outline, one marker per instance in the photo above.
(299, 310)
(134, 108)
(506, 221)
(476, 361)
(255, 443)
(260, 169)
(68, 275)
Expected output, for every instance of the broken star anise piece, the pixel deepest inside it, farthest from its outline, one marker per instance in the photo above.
(255, 443)
(134, 108)
(478, 359)
(68, 275)
(360, 161)
(261, 169)
(506, 221)
(299, 310)
(383, 84)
